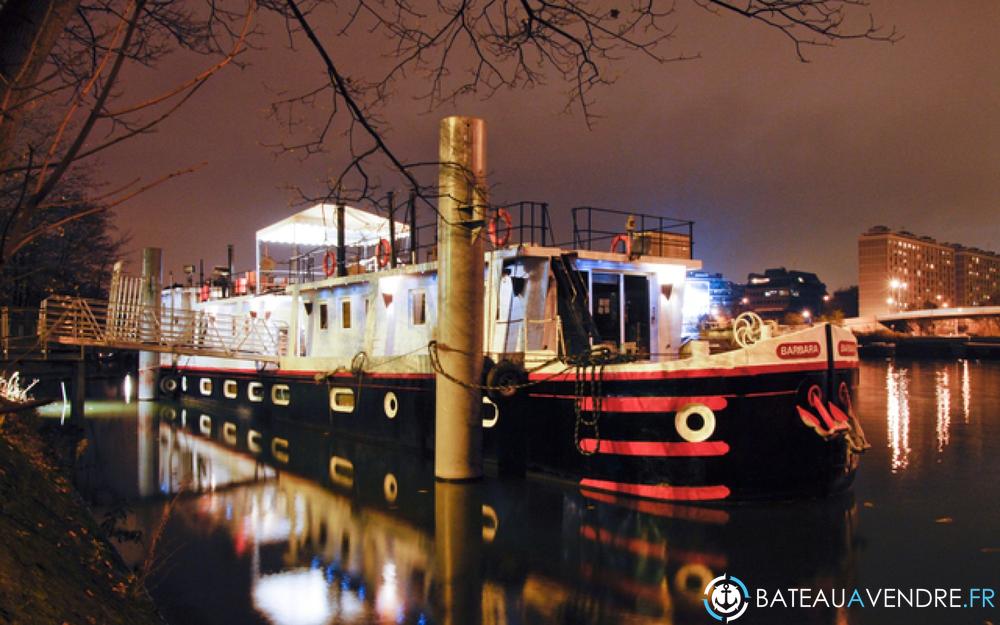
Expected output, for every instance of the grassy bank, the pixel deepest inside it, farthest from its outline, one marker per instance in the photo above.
(55, 567)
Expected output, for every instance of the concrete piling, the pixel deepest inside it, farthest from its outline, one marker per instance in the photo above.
(458, 547)
(461, 211)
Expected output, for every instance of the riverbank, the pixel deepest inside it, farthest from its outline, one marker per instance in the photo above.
(55, 566)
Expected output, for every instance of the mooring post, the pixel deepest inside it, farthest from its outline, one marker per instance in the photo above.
(462, 191)
(149, 362)
(147, 448)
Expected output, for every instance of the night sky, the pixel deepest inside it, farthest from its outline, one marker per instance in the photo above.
(778, 162)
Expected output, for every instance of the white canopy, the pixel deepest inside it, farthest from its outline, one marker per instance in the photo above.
(317, 225)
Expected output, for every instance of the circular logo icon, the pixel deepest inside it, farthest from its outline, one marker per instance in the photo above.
(726, 598)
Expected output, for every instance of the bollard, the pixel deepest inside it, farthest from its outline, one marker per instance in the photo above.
(461, 207)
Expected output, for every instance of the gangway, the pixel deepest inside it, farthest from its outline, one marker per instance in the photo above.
(127, 324)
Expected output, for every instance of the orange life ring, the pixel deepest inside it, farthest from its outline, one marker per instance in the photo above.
(206, 292)
(495, 239)
(383, 252)
(329, 263)
(624, 239)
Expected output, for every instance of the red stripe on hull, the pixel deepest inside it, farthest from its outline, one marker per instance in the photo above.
(655, 448)
(658, 508)
(652, 404)
(293, 373)
(656, 491)
(638, 546)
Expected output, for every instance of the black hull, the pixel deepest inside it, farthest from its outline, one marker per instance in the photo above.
(760, 447)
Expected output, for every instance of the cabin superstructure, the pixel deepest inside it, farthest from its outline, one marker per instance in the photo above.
(326, 274)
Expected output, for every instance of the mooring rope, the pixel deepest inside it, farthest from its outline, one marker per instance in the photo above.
(588, 382)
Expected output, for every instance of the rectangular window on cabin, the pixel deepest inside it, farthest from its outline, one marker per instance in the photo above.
(345, 313)
(418, 307)
(322, 317)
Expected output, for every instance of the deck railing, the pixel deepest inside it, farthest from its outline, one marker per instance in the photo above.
(651, 235)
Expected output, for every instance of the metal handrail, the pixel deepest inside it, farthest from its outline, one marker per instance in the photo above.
(79, 321)
(586, 234)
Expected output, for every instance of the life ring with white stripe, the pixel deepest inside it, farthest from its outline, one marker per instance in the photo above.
(329, 263)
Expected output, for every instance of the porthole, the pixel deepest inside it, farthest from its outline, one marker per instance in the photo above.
(255, 392)
(341, 471)
(281, 395)
(341, 399)
(229, 433)
(491, 421)
(205, 386)
(184, 383)
(279, 450)
(390, 487)
(230, 389)
(205, 425)
(391, 405)
(491, 523)
(695, 422)
(690, 581)
(253, 441)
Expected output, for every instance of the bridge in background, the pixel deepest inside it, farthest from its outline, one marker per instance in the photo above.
(960, 312)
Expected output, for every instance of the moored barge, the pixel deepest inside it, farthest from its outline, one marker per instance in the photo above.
(587, 376)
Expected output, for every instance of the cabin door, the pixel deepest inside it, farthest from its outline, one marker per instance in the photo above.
(606, 306)
(637, 312)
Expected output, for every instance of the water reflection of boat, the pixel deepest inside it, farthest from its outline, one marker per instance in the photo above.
(323, 549)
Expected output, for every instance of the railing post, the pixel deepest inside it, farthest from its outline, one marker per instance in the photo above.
(412, 206)
(392, 231)
(545, 223)
(5, 330)
(341, 246)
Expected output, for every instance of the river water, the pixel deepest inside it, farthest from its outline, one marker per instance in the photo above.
(370, 538)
